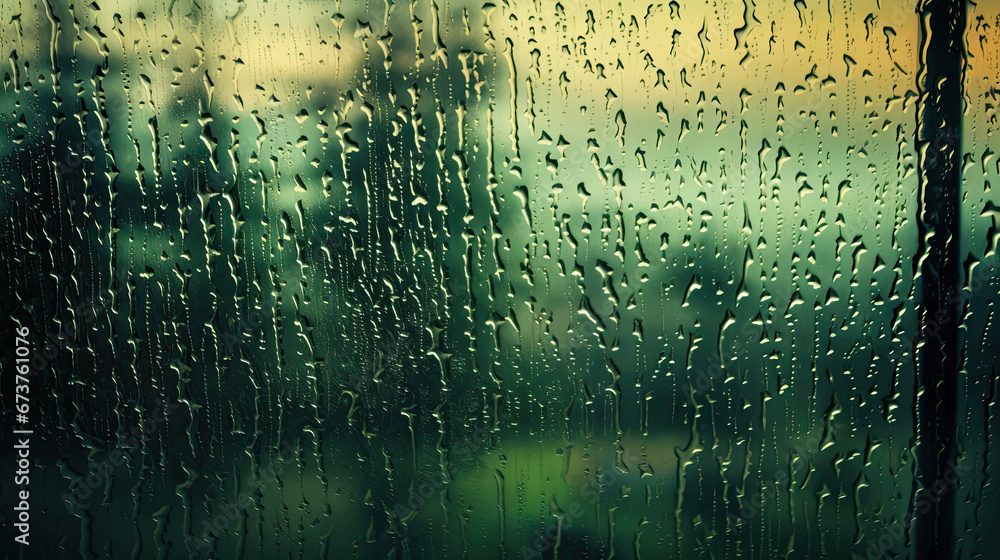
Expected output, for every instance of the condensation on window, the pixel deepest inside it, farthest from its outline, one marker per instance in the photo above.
(485, 280)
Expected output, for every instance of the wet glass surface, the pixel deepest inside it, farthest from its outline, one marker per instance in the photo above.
(487, 279)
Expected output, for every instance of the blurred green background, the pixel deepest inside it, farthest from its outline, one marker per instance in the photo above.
(484, 279)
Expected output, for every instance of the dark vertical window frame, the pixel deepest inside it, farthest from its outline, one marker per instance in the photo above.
(939, 131)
